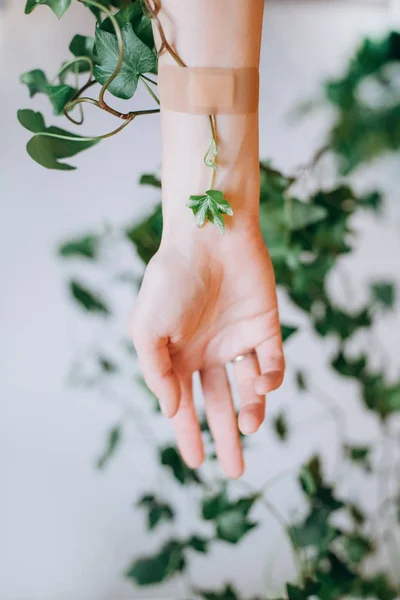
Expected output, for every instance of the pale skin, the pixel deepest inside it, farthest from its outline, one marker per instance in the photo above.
(207, 298)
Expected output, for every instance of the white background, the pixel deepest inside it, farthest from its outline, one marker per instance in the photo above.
(67, 531)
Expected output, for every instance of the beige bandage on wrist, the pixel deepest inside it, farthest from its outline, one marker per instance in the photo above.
(208, 90)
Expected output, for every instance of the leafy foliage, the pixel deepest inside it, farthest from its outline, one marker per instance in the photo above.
(114, 438)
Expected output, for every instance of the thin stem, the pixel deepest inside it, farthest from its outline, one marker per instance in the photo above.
(97, 138)
(149, 79)
(148, 88)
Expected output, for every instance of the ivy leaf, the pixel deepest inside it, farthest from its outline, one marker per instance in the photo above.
(59, 96)
(315, 530)
(132, 14)
(157, 510)
(356, 548)
(356, 513)
(295, 593)
(348, 367)
(383, 293)
(146, 236)
(82, 45)
(114, 438)
(150, 179)
(59, 7)
(150, 570)
(170, 457)
(301, 381)
(138, 59)
(36, 81)
(86, 247)
(210, 206)
(232, 525)
(31, 120)
(300, 214)
(359, 455)
(48, 150)
(197, 543)
(280, 426)
(228, 593)
(230, 517)
(378, 586)
(287, 331)
(87, 299)
(107, 365)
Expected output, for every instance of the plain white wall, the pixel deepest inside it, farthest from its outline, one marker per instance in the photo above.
(66, 530)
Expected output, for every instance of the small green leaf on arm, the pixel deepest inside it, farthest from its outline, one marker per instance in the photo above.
(210, 206)
(59, 7)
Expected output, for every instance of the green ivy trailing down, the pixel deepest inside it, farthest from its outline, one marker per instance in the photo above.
(306, 238)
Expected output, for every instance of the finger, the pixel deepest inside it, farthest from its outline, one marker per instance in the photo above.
(272, 365)
(187, 428)
(222, 420)
(155, 361)
(252, 405)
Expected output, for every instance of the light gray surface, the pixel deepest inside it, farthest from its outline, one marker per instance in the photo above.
(67, 532)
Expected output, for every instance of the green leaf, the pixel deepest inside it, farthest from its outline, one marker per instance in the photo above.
(295, 593)
(107, 365)
(170, 457)
(36, 81)
(279, 424)
(314, 530)
(383, 293)
(349, 367)
(157, 510)
(82, 45)
(301, 381)
(86, 246)
(210, 206)
(197, 543)
(288, 331)
(359, 455)
(58, 7)
(300, 214)
(146, 236)
(356, 513)
(228, 593)
(151, 570)
(90, 301)
(138, 59)
(59, 96)
(230, 517)
(31, 120)
(113, 440)
(150, 179)
(47, 150)
(357, 548)
(132, 14)
(378, 586)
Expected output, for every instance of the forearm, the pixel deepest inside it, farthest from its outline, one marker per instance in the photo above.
(210, 33)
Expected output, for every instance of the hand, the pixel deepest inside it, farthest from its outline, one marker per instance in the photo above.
(200, 305)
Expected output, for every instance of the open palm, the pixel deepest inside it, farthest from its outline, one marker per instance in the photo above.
(197, 310)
